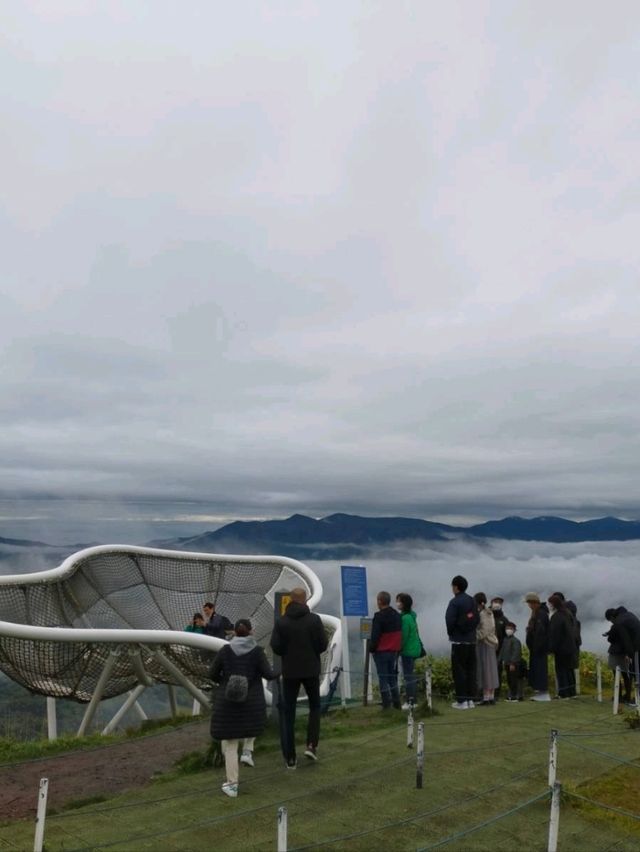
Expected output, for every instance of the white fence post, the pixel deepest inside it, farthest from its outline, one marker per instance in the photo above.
(578, 683)
(553, 757)
(636, 660)
(410, 728)
(428, 687)
(282, 829)
(554, 818)
(420, 756)
(599, 681)
(616, 691)
(43, 790)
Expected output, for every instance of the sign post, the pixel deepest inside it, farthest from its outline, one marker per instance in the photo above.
(353, 599)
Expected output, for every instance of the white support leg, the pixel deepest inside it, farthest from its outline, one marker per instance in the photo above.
(131, 699)
(52, 719)
(179, 677)
(97, 693)
(196, 710)
(173, 704)
(140, 711)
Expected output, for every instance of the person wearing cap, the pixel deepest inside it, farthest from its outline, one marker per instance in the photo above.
(501, 621)
(538, 645)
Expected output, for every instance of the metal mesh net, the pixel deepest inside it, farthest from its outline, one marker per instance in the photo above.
(132, 590)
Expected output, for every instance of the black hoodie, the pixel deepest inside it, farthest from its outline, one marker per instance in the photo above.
(299, 638)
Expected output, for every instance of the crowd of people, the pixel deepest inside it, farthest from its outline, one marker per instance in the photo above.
(484, 650)
(484, 646)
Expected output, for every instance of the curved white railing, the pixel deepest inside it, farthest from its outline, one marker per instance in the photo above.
(91, 661)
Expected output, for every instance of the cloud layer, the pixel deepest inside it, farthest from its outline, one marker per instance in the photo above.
(316, 255)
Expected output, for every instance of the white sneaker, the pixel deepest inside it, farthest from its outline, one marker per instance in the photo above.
(230, 790)
(407, 706)
(541, 696)
(470, 705)
(247, 758)
(460, 705)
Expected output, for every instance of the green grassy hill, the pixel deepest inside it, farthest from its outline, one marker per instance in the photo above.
(481, 766)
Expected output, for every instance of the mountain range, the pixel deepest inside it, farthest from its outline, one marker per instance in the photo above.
(343, 536)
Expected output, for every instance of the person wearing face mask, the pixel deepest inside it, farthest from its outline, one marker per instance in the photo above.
(501, 621)
(487, 643)
(510, 656)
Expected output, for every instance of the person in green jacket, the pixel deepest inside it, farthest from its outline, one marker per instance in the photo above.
(197, 624)
(411, 647)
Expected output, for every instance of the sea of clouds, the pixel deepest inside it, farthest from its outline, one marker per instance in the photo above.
(596, 575)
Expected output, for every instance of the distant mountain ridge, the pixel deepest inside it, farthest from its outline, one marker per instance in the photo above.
(343, 536)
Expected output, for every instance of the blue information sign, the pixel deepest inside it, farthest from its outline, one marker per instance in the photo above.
(354, 590)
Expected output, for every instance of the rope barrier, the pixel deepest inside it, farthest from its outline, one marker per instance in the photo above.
(352, 779)
(417, 817)
(605, 754)
(491, 821)
(615, 810)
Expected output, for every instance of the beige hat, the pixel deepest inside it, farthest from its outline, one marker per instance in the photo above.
(531, 597)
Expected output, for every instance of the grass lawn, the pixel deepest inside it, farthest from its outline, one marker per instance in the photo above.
(480, 766)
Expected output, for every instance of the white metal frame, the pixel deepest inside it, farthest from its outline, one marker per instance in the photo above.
(132, 641)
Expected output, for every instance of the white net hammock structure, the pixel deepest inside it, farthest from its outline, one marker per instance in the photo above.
(110, 620)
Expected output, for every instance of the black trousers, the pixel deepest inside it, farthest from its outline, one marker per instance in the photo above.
(515, 682)
(291, 688)
(463, 669)
(565, 675)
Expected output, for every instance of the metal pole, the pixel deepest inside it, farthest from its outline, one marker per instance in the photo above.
(131, 699)
(140, 711)
(553, 757)
(554, 818)
(616, 691)
(410, 728)
(365, 683)
(97, 693)
(38, 840)
(282, 829)
(173, 704)
(178, 676)
(420, 756)
(428, 686)
(345, 681)
(599, 680)
(52, 721)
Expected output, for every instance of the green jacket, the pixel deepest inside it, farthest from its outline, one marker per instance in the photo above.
(411, 644)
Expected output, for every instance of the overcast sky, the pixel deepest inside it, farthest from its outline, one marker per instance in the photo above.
(283, 256)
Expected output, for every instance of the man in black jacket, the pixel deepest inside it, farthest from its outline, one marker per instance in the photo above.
(624, 638)
(461, 619)
(299, 638)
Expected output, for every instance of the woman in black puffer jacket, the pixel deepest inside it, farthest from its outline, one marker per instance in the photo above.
(239, 708)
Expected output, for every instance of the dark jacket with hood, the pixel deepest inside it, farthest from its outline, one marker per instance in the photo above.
(299, 638)
(218, 626)
(624, 634)
(232, 720)
(562, 638)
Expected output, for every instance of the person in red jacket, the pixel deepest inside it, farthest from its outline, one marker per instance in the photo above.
(385, 645)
